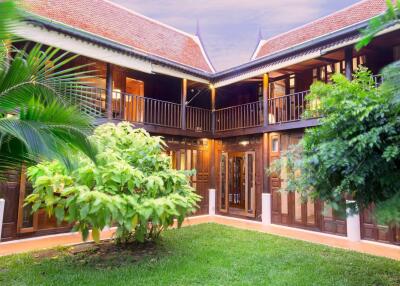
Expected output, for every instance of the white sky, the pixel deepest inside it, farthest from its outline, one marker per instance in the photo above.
(229, 28)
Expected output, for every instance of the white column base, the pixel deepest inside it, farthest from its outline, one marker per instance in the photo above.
(266, 209)
(353, 224)
(211, 201)
(2, 203)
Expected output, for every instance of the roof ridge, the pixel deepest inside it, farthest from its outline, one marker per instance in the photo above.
(316, 20)
(150, 19)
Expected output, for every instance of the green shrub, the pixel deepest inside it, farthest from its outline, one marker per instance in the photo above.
(131, 186)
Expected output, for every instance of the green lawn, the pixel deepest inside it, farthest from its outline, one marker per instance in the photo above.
(207, 254)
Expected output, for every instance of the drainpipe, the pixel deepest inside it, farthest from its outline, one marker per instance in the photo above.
(2, 203)
(348, 58)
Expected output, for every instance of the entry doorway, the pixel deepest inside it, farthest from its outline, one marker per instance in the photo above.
(134, 100)
(237, 173)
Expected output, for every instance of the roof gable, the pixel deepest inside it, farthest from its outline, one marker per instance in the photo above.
(116, 23)
(349, 16)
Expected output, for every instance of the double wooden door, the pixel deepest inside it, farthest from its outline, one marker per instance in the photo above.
(237, 183)
(197, 158)
(291, 208)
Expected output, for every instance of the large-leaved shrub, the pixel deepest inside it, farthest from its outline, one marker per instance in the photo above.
(131, 186)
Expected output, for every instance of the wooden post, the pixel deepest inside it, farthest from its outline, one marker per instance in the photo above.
(109, 90)
(213, 122)
(183, 103)
(265, 98)
(348, 58)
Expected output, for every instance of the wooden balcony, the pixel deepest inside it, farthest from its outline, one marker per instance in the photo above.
(147, 111)
(198, 119)
(287, 108)
(240, 116)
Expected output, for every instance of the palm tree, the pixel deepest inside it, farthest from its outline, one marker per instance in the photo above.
(37, 119)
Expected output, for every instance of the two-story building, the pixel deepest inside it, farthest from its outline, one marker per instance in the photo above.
(228, 125)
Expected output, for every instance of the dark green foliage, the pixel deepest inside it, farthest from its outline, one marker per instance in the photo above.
(36, 119)
(354, 152)
(378, 24)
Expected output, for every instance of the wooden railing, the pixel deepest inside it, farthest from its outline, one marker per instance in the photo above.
(88, 99)
(140, 109)
(287, 108)
(198, 119)
(240, 116)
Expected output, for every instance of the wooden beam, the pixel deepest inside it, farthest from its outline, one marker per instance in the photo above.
(109, 90)
(265, 98)
(327, 60)
(183, 103)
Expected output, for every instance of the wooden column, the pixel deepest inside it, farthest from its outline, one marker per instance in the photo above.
(265, 98)
(213, 122)
(348, 58)
(212, 141)
(109, 90)
(183, 103)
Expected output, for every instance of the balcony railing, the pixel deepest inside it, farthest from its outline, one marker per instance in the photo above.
(240, 116)
(140, 109)
(287, 108)
(198, 119)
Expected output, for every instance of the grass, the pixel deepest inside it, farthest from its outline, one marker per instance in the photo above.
(207, 254)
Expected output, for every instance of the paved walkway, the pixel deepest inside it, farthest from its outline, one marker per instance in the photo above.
(379, 249)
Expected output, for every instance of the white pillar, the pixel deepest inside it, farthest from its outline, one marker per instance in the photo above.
(353, 223)
(211, 201)
(2, 203)
(266, 208)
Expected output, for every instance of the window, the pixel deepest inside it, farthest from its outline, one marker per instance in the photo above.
(275, 145)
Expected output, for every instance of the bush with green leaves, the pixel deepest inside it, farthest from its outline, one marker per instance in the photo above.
(131, 186)
(355, 151)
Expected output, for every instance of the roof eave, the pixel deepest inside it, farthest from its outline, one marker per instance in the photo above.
(58, 27)
(306, 45)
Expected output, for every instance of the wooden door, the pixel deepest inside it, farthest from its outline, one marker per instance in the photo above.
(250, 169)
(189, 158)
(223, 185)
(134, 100)
(279, 213)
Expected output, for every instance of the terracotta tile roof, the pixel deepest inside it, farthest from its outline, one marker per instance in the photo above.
(359, 12)
(116, 23)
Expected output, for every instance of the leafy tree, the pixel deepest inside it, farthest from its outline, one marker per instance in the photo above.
(355, 151)
(378, 24)
(37, 120)
(132, 186)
